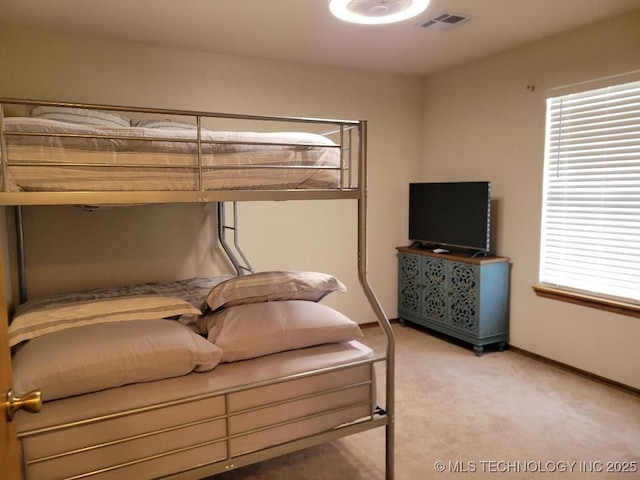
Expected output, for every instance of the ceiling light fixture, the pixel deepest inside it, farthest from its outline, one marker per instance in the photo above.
(376, 12)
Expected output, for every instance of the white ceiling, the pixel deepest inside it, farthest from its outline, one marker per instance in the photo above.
(305, 31)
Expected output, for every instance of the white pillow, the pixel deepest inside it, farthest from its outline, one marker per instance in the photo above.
(83, 116)
(272, 286)
(257, 329)
(164, 124)
(44, 319)
(95, 357)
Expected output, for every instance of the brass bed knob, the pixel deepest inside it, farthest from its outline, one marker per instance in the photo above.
(31, 402)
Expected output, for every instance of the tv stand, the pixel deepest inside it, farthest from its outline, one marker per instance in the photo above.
(457, 294)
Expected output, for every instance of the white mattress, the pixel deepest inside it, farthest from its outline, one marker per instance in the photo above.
(158, 428)
(229, 160)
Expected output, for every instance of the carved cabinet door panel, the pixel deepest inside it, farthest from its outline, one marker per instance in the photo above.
(409, 284)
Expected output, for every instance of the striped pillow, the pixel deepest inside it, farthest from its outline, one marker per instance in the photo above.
(83, 116)
(272, 286)
(32, 323)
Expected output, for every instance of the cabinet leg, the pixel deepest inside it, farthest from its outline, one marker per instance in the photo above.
(478, 350)
(402, 322)
(502, 346)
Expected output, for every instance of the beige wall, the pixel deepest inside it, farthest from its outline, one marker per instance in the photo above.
(483, 122)
(66, 247)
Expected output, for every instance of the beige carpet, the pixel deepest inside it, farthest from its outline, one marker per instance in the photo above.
(502, 415)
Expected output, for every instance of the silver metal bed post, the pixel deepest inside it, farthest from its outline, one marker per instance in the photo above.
(375, 304)
(22, 279)
(3, 151)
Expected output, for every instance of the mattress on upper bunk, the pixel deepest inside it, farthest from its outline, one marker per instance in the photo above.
(148, 380)
(62, 156)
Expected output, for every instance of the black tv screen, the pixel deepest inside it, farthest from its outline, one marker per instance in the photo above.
(451, 214)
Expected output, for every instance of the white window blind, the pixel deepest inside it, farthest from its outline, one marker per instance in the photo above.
(591, 212)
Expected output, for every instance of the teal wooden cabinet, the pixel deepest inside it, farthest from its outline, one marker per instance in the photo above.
(455, 294)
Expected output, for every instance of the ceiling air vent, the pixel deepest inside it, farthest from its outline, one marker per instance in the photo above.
(445, 21)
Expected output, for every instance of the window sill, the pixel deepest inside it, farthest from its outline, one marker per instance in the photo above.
(588, 301)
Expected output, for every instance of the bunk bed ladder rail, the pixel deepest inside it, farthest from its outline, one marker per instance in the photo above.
(22, 277)
(382, 318)
(3, 151)
(223, 230)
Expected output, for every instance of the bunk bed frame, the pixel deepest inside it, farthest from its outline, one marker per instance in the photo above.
(352, 185)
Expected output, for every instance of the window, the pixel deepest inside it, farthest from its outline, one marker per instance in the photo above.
(591, 201)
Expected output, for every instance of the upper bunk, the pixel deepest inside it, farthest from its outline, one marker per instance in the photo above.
(55, 153)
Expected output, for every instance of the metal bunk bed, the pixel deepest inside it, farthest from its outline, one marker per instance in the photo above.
(351, 185)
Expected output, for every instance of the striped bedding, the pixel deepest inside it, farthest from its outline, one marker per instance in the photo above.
(65, 156)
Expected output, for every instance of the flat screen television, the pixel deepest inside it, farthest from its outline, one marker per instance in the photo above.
(451, 215)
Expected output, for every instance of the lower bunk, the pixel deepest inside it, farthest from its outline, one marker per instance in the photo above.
(188, 379)
(203, 423)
